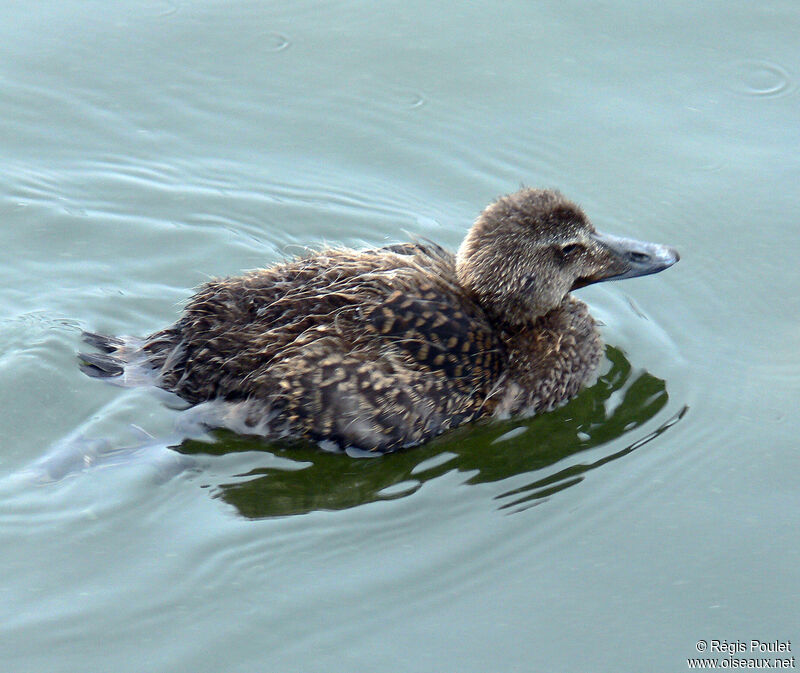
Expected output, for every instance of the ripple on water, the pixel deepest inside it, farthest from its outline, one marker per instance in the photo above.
(271, 41)
(32, 332)
(760, 78)
(170, 8)
(404, 98)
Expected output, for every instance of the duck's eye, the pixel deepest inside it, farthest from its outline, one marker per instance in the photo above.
(571, 249)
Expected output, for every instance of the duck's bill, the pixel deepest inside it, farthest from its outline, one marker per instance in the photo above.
(628, 258)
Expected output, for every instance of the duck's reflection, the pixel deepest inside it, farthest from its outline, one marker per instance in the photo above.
(619, 403)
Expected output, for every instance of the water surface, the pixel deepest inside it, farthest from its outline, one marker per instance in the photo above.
(148, 146)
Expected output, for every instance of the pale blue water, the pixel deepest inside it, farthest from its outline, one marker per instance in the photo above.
(148, 146)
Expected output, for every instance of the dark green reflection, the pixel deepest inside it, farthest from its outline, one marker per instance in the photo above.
(335, 481)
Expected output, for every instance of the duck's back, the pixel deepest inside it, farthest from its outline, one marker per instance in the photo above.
(374, 349)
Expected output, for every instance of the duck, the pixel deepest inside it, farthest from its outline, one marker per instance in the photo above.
(382, 349)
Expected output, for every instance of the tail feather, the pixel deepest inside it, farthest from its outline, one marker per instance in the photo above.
(122, 361)
(107, 344)
(100, 366)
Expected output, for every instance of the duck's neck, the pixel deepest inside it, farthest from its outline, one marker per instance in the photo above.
(549, 360)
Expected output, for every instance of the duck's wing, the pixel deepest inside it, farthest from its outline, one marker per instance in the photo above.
(232, 326)
(391, 375)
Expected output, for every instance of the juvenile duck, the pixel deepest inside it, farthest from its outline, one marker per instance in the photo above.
(382, 349)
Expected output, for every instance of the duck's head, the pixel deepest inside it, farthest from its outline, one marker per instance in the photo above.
(528, 250)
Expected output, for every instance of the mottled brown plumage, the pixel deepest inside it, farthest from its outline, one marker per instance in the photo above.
(385, 348)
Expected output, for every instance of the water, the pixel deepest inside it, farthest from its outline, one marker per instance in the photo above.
(148, 146)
